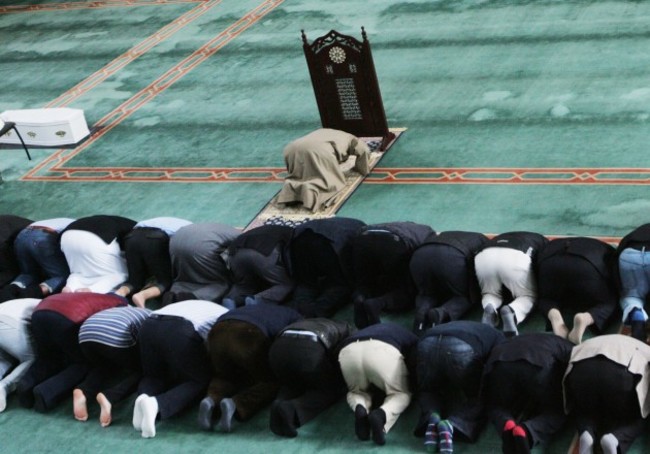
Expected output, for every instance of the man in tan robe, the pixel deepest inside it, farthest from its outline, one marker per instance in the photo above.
(313, 162)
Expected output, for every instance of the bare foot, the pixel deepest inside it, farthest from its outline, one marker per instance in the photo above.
(123, 291)
(83, 290)
(105, 417)
(138, 300)
(79, 405)
(66, 290)
(557, 322)
(45, 290)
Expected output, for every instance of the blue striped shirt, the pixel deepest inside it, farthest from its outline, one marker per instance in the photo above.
(117, 327)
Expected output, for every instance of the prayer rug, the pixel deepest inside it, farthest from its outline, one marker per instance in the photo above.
(277, 213)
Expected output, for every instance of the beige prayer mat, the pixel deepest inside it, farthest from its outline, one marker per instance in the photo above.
(277, 213)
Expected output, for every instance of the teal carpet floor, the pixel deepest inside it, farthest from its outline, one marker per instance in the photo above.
(521, 115)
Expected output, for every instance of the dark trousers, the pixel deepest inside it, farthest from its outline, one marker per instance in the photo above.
(321, 287)
(381, 270)
(320, 301)
(148, 259)
(310, 377)
(175, 366)
(569, 282)
(59, 364)
(240, 367)
(528, 394)
(115, 372)
(8, 263)
(444, 280)
(448, 383)
(602, 397)
(259, 275)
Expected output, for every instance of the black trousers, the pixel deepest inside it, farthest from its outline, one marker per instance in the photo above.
(444, 280)
(527, 394)
(240, 367)
(115, 372)
(602, 397)
(175, 367)
(148, 259)
(321, 286)
(9, 268)
(309, 374)
(568, 282)
(259, 275)
(59, 364)
(381, 270)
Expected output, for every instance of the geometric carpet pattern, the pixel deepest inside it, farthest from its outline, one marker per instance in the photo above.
(53, 167)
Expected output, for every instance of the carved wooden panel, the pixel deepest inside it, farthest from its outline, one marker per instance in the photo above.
(345, 84)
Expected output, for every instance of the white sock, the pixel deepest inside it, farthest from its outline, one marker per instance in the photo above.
(137, 412)
(586, 445)
(149, 412)
(609, 443)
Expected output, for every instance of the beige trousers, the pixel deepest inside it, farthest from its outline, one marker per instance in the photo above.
(375, 362)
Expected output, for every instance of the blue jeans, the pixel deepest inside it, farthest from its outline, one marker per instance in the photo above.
(634, 270)
(40, 258)
(448, 381)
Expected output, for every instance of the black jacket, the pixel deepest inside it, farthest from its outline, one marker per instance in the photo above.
(601, 255)
(527, 242)
(411, 234)
(637, 238)
(330, 332)
(107, 227)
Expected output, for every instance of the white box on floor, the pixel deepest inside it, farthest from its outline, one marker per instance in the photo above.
(48, 127)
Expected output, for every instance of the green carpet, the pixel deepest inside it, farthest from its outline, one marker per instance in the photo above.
(521, 115)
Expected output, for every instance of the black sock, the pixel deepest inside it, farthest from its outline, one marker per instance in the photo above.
(521, 443)
(361, 424)
(377, 420)
(373, 311)
(434, 317)
(360, 315)
(283, 419)
(638, 330)
(168, 298)
(507, 439)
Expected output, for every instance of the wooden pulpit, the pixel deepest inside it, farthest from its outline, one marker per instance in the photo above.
(346, 87)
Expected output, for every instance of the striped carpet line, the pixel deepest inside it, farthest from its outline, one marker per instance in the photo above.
(168, 175)
(119, 114)
(8, 9)
(509, 175)
(394, 175)
(132, 54)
